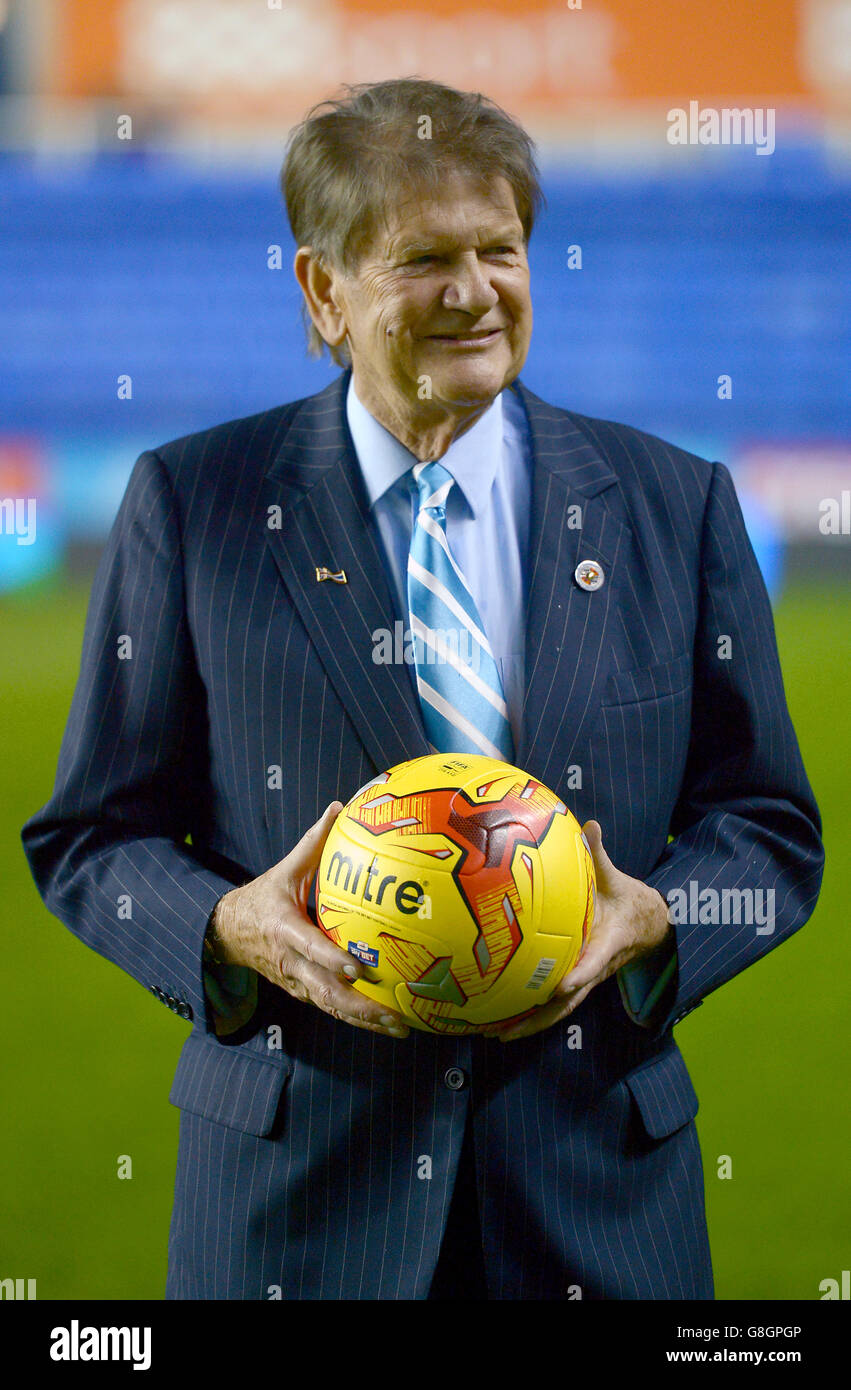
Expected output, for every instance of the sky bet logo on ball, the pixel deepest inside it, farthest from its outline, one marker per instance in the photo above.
(364, 952)
(471, 883)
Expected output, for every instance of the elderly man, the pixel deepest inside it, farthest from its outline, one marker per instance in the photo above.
(250, 567)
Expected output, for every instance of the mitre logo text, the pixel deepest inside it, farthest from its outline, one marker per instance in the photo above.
(409, 895)
(76, 1343)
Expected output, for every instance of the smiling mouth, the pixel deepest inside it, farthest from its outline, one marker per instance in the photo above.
(476, 339)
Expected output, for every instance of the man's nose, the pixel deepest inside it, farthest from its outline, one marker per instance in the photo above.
(469, 288)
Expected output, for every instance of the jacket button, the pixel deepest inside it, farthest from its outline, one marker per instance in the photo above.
(184, 1009)
(454, 1078)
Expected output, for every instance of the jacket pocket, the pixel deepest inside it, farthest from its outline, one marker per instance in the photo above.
(228, 1085)
(663, 1093)
(649, 682)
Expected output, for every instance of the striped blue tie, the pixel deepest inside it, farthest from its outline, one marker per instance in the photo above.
(461, 693)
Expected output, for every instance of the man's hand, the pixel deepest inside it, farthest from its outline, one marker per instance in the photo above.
(265, 926)
(630, 920)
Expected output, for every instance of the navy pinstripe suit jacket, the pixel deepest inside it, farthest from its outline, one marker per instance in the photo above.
(300, 1168)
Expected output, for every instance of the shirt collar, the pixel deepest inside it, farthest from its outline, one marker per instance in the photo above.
(472, 458)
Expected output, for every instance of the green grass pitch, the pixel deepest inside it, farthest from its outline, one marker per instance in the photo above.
(88, 1055)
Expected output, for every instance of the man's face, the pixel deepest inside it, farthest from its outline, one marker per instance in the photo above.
(442, 293)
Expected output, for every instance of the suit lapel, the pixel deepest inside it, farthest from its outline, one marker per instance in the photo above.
(324, 521)
(568, 629)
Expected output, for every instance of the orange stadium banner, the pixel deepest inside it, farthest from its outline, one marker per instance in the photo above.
(243, 61)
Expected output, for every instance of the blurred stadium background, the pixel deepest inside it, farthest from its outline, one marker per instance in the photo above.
(149, 251)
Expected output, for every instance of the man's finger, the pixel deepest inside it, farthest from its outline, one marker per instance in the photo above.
(334, 997)
(293, 874)
(591, 963)
(311, 943)
(604, 869)
(544, 1017)
(304, 857)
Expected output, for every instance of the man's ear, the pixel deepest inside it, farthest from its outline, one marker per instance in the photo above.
(318, 285)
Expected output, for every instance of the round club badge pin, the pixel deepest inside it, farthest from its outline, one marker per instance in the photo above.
(589, 575)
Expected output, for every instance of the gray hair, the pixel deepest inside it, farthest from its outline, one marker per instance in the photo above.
(351, 156)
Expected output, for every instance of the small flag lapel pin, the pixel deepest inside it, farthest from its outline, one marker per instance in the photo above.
(338, 576)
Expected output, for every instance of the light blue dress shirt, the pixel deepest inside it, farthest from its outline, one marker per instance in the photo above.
(487, 522)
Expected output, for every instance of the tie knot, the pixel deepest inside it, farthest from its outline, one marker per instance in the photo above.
(433, 483)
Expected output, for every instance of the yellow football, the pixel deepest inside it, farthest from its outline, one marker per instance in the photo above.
(463, 885)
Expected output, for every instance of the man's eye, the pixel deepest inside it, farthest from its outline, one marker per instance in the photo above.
(427, 257)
